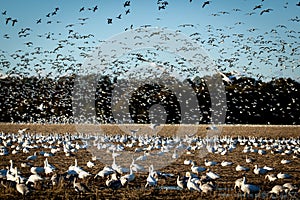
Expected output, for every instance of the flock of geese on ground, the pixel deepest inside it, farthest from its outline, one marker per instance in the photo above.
(200, 178)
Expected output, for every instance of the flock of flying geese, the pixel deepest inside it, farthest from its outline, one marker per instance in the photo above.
(197, 178)
(282, 49)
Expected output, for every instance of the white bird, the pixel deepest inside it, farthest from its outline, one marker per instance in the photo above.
(283, 176)
(34, 178)
(238, 183)
(259, 171)
(127, 177)
(142, 158)
(90, 164)
(197, 169)
(151, 181)
(249, 188)
(268, 168)
(106, 171)
(241, 168)
(48, 168)
(187, 162)
(249, 160)
(289, 187)
(271, 177)
(206, 188)
(192, 186)
(209, 163)
(283, 161)
(175, 155)
(136, 167)
(277, 189)
(226, 163)
(212, 175)
(181, 182)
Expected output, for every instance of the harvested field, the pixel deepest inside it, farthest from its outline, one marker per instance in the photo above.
(166, 187)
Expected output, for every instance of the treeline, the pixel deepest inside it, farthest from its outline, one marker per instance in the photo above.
(248, 101)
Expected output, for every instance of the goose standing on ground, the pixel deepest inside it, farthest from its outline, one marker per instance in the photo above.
(249, 188)
(128, 177)
(151, 181)
(238, 183)
(206, 188)
(34, 179)
(48, 168)
(288, 187)
(22, 188)
(192, 186)
(136, 167)
(277, 189)
(283, 161)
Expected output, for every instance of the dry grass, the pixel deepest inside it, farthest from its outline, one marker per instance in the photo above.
(136, 189)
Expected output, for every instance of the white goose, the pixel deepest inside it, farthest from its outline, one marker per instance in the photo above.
(226, 163)
(209, 163)
(151, 181)
(34, 178)
(271, 177)
(249, 160)
(181, 182)
(106, 171)
(206, 188)
(289, 187)
(136, 167)
(90, 164)
(241, 168)
(128, 177)
(277, 189)
(48, 167)
(259, 171)
(283, 176)
(197, 169)
(283, 161)
(238, 183)
(212, 175)
(249, 188)
(192, 186)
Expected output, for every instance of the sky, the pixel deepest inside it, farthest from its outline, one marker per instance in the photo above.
(236, 36)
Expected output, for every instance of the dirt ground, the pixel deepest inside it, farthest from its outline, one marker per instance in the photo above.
(136, 190)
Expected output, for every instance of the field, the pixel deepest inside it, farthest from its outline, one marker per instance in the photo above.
(166, 187)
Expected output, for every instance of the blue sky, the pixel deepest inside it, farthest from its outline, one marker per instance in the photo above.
(264, 45)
